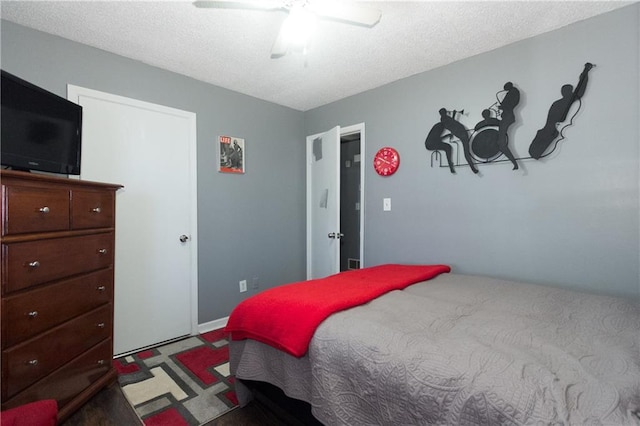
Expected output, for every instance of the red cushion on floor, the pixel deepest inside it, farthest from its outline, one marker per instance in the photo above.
(40, 413)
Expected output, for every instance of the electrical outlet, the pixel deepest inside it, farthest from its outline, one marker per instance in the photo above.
(256, 283)
(243, 286)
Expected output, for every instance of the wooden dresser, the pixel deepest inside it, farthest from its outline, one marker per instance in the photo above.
(57, 289)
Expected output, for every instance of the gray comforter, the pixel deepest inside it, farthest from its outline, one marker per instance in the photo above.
(464, 350)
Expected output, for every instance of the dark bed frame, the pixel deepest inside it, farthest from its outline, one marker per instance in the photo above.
(293, 412)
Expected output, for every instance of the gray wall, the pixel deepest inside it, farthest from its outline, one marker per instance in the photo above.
(249, 225)
(571, 219)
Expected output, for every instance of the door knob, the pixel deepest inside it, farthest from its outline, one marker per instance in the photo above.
(183, 238)
(332, 235)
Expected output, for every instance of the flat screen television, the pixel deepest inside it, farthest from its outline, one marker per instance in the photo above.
(39, 129)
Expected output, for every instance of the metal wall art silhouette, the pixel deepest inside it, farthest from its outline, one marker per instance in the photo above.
(558, 114)
(488, 141)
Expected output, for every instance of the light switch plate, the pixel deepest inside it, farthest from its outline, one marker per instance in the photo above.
(386, 204)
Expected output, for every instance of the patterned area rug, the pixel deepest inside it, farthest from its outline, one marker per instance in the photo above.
(182, 383)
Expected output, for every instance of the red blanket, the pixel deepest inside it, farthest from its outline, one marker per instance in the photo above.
(286, 317)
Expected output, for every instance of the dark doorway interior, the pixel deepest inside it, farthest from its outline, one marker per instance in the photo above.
(350, 187)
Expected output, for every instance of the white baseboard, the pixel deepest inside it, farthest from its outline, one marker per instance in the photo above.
(212, 325)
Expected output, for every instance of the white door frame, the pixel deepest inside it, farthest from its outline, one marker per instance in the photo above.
(356, 128)
(75, 92)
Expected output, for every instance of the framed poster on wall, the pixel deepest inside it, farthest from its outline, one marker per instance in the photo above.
(231, 154)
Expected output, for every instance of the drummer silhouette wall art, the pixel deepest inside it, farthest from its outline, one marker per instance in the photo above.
(488, 141)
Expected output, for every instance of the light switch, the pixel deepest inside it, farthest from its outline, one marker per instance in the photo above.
(386, 204)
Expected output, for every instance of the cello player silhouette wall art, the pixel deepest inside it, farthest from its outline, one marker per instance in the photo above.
(557, 116)
(488, 141)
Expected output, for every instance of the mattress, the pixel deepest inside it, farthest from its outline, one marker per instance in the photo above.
(462, 349)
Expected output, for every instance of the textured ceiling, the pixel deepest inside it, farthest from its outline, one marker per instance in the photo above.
(231, 48)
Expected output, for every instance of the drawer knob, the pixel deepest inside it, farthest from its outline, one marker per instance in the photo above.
(96, 210)
(101, 325)
(32, 314)
(102, 251)
(32, 362)
(33, 264)
(44, 209)
(101, 362)
(101, 288)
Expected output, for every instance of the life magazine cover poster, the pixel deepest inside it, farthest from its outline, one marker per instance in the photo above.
(232, 157)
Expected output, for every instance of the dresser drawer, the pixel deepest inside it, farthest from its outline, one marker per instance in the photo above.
(35, 262)
(69, 380)
(30, 361)
(34, 210)
(91, 209)
(27, 314)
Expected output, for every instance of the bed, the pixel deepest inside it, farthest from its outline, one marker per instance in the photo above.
(458, 349)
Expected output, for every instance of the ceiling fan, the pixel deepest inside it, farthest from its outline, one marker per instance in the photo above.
(302, 14)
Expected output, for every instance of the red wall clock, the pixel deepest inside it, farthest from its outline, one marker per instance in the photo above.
(386, 161)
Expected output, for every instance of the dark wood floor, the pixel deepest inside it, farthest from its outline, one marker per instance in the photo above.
(110, 408)
(107, 408)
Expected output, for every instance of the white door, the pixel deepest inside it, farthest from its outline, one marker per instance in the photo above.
(323, 204)
(150, 149)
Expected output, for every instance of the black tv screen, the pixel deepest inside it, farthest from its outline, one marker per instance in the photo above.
(40, 130)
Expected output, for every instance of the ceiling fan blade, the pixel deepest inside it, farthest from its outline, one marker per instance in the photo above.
(349, 13)
(280, 46)
(239, 4)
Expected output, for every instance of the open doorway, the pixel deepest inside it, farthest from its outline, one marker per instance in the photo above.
(350, 200)
(330, 236)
